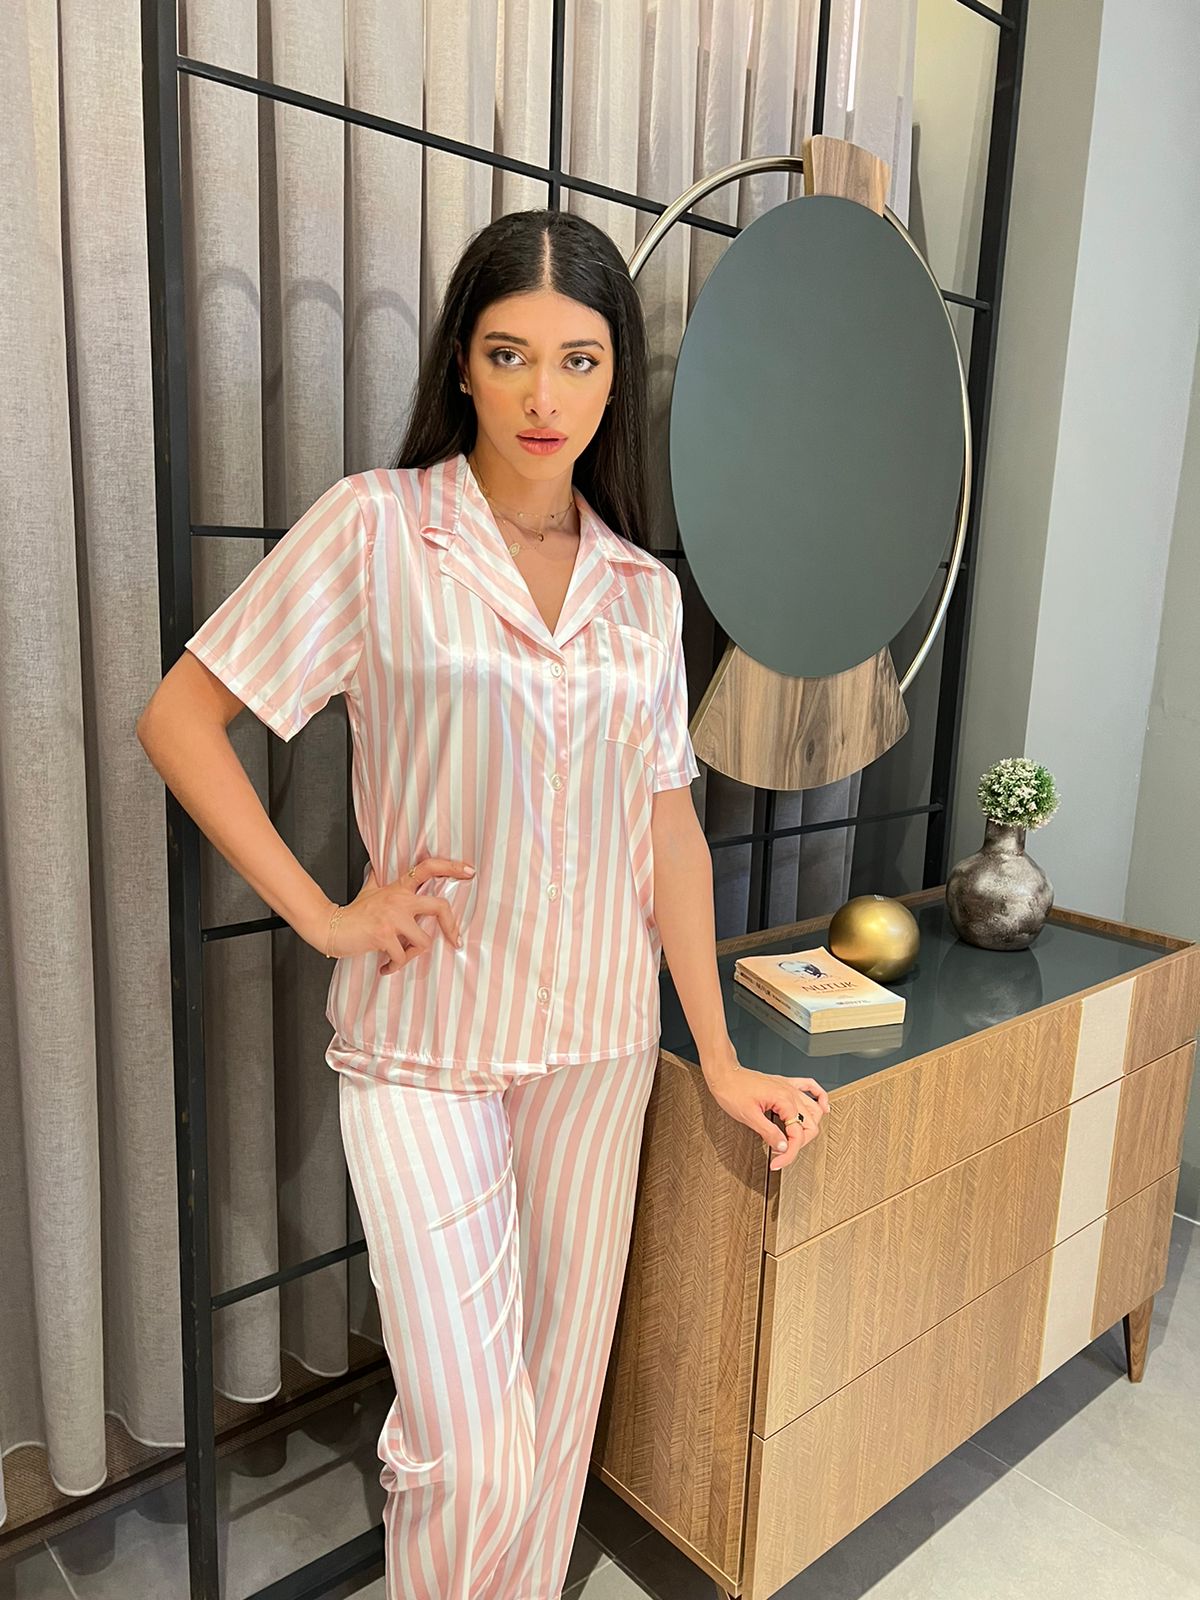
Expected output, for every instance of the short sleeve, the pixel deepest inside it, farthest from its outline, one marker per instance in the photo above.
(292, 633)
(675, 762)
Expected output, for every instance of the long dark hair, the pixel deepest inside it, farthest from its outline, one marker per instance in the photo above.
(543, 249)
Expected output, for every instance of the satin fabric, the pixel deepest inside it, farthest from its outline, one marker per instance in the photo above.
(497, 1222)
(480, 735)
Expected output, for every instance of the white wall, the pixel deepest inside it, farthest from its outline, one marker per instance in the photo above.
(1164, 872)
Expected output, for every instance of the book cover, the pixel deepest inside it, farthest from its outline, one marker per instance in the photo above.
(817, 990)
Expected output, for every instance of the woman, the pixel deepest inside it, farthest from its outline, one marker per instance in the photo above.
(512, 662)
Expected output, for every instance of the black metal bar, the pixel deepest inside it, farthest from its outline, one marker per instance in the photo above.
(966, 300)
(216, 530)
(558, 51)
(437, 141)
(301, 1269)
(821, 72)
(727, 841)
(765, 805)
(1001, 18)
(235, 930)
(168, 351)
(361, 1556)
(997, 198)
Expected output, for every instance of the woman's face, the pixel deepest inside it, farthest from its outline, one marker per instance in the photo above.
(539, 360)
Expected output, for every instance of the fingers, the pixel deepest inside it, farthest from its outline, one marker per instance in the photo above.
(418, 940)
(422, 871)
(448, 921)
(799, 1134)
(812, 1087)
(404, 939)
(772, 1136)
(397, 956)
(442, 867)
(437, 905)
(814, 1102)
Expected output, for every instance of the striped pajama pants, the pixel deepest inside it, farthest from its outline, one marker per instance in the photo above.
(497, 1220)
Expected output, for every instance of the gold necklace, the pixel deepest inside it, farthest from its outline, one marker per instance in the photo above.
(514, 516)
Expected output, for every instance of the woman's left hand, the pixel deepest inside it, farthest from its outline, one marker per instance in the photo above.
(749, 1097)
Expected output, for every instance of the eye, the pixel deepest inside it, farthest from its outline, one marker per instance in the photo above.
(507, 350)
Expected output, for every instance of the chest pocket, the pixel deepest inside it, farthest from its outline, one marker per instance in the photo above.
(632, 665)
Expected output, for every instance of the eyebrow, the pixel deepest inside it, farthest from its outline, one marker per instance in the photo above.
(567, 344)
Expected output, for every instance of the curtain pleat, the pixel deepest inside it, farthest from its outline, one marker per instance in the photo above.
(315, 257)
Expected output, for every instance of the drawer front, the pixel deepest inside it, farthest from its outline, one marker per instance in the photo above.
(906, 1124)
(1164, 1011)
(854, 1451)
(1150, 1123)
(840, 1303)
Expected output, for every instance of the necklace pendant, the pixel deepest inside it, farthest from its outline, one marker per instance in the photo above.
(514, 549)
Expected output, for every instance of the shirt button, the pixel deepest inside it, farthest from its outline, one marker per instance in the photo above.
(552, 891)
(556, 782)
(556, 669)
(543, 994)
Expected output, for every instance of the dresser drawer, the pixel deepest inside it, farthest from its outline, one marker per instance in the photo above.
(838, 1304)
(862, 1445)
(889, 1132)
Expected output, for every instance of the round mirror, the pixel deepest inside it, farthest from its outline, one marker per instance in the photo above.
(817, 436)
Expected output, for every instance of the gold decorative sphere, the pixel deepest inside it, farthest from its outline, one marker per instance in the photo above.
(876, 936)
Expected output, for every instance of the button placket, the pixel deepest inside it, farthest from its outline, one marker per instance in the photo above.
(558, 830)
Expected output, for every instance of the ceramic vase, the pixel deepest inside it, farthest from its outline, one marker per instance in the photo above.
(999, 897)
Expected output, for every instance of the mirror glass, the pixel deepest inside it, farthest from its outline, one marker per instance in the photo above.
(816, 436)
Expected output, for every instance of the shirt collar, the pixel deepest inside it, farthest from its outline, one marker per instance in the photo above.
(474, 552)
(452, 481)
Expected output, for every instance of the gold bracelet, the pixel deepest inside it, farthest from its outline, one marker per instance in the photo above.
(337, 911)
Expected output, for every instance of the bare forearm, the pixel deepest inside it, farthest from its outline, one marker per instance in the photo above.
(683, 910)
(199, 765)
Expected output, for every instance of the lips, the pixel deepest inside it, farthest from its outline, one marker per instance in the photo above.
(543, 436)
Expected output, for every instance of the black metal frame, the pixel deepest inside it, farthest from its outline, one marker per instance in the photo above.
(162, 65)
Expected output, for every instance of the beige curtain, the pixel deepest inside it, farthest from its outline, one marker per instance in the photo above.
(315, 255)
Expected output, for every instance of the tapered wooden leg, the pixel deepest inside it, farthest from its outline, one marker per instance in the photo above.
(1137, 1338)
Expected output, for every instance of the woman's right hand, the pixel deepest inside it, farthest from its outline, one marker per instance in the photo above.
(383, 916)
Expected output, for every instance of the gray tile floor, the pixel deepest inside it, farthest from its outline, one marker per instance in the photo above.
(1087, 1488)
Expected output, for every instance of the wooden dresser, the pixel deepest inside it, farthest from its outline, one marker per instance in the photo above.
(992, 1187)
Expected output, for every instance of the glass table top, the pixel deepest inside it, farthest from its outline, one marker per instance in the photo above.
(953, 990)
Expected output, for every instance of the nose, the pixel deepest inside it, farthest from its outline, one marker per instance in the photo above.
(542, 393)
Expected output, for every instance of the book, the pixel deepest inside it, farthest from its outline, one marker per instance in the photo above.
(868, 1043)
(818, 991)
